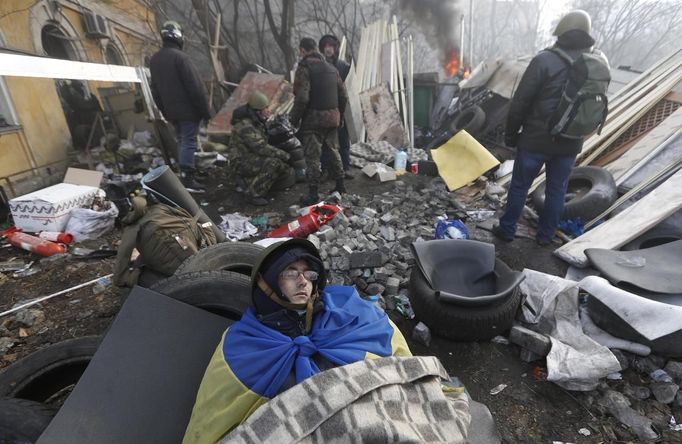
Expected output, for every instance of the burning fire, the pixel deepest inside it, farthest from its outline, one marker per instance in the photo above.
(451, 66)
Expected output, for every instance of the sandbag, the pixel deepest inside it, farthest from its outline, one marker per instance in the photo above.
(86, 224)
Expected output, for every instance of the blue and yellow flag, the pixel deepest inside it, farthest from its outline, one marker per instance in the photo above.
(252, 361)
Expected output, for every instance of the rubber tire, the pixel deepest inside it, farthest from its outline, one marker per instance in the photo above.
(23, 421)
(463, 324)
(239, 257)
(471, 120)
(602, 194)
(652, 238)
(47, 371)
(225, 293)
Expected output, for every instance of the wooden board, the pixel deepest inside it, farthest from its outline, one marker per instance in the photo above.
(353, 112)
(627, 225)
(381, 117)
(647, 144)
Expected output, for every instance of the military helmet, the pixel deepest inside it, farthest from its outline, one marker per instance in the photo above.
(577, 20)
(172, 31)
(258, 101)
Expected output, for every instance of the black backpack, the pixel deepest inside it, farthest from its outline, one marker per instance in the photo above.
(583, 106)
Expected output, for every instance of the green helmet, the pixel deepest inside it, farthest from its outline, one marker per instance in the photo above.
(172, 31)
(575, 20)
(258, 100)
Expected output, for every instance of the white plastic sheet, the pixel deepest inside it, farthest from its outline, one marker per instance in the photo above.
(575, 361)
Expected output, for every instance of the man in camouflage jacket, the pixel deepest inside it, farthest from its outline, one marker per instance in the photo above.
(260, 164)
(320, 101)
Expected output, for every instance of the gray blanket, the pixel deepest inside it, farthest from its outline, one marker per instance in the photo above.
(381, 400)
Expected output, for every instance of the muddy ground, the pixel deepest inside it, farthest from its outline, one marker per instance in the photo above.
(528, 410)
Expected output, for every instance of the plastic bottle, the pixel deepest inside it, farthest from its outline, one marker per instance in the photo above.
(400, 161)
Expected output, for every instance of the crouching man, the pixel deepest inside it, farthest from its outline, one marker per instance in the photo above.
(295, 328)
(260, 164)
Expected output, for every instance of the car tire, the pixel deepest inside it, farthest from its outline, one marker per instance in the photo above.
(652, 238)
(47, 372)
(471, 120)
(224, 293)
(600, 194)
(239, 257)
(23, 421)
(459, 323)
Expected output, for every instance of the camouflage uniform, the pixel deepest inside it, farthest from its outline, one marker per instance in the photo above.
(319, 119)
(259, 163)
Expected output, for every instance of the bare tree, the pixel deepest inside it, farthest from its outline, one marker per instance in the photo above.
(283, 34)
(634, 32)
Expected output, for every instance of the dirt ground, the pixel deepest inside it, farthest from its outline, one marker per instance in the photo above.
(528, 410)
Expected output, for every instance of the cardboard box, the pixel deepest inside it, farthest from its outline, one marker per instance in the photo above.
(49, 209)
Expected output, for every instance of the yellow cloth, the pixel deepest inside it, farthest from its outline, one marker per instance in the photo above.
(223, 402)
(462, 160)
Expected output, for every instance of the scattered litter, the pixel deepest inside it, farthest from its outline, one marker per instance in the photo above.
(572, 227)
(500, 340)
(260, 222)
(422, 334)
(403, 306)
(584, 432)
(26, 271)
(480, 215)
(237, 227)
(505, 168)
(498, 389)
(23, 333)
(451, 229)
(615, 376)
(5, 345)
(660, 375)
(674, 426)
(12, 265)
(86, 224)
(101, 285)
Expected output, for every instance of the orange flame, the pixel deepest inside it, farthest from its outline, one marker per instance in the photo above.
(452, 64)
(467, 73)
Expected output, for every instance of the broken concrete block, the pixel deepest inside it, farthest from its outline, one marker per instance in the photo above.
(664, 392)
(365, 259)
(381, 275)
(313, 239)
(422, 334)
(674, 369)
(347, 249)
(386, 218)
(340, 263)
(530, 340)
(369, 212)
(327, 235)
(387, 233)
(375, 288)
(392, 286)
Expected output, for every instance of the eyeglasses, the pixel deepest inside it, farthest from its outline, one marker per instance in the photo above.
(310, 275)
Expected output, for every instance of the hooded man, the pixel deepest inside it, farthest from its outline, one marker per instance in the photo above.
(329, 48)
(295, 328)
(258, 163)
(320, 101)
(178, 92)
(536, 98)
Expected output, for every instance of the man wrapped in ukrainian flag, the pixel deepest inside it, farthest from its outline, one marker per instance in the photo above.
(295, 328)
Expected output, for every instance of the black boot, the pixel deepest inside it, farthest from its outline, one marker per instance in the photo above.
(189, 182)
(340, 186)
(312, 197)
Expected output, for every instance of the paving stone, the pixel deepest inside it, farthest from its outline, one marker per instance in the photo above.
(664, 392)
(327, 235)
(674, 369)
(366, 259)
(375, 288)
(314, 240)
(392, 286)
(348, 249)
(369, 212)
(334, 251)
(340, 263)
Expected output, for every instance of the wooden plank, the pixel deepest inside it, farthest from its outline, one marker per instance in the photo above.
(627, 225)
(353, 110)
(45, 67)
(647, 144)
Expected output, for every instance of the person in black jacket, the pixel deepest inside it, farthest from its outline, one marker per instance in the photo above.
(534, 101)
(179, 94)
(329, 48)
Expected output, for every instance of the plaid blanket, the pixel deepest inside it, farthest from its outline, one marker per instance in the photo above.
(377, 400)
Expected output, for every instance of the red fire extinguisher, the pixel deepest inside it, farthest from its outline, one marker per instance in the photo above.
(31, 243)
(307, 224)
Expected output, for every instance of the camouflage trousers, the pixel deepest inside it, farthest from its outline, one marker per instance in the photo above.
(262, 176)
(313, 144)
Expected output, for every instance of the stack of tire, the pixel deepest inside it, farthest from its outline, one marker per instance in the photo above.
(282, 135)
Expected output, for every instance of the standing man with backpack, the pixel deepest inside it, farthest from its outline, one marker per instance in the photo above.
(560, 100)
(179, 94)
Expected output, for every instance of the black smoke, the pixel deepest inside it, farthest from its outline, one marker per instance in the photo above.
(439, 21)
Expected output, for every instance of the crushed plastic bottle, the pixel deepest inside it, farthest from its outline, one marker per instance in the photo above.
(101, 285)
